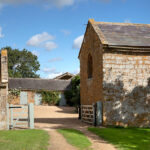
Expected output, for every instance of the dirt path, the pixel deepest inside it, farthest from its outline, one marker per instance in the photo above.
(51, 118)
(57, 142)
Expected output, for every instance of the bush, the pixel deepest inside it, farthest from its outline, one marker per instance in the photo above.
(50, 98)
(13, 94)
(68, 97)
(73, 95)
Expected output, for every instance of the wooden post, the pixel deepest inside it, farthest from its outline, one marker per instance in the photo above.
(94, 114)
(79, 112)
(7, 116)
(31, 115)
(99, 113)
(11, 116)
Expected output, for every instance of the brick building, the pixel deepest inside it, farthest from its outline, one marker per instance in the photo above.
(30, 88)
(115, 70)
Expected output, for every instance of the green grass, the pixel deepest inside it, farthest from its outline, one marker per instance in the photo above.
(125, 138)
(76, 138)
(24, 140)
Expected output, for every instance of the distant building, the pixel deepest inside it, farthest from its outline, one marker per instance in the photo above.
(115, 71)
(65, 76)
(30, 88)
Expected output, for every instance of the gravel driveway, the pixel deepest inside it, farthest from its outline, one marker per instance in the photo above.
(51, 118)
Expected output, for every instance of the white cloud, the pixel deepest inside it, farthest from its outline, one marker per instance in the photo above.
(42, 40)
(37, 39)
(58, 3)
(77, 42)
(45, 3)
(50, 45)
(49, 70)
(66, 32)
(55, 59)
(76, 71)
(35, 53)
(1, 35)
(127, 21)
(106, 1)
(53, 75)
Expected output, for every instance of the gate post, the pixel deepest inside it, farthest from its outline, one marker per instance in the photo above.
(11, 116)
(31, 115)
(99, 113)
(7, 116)
(94, 114)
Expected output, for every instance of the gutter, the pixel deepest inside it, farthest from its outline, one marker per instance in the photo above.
(127, 48)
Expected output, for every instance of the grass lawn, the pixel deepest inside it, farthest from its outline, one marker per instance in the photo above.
(24, 140)
(125, 138)
(76, 138)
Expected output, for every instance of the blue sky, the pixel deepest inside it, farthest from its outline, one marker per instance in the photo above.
(54, 29)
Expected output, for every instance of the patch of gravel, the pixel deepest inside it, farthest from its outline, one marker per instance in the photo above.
(51, 118)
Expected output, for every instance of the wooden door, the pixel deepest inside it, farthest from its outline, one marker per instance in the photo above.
(37, 99)
(23, 98)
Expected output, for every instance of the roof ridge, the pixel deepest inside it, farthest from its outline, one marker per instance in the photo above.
(92, 21)
(98, 31)
(31, 78)
(38, 79)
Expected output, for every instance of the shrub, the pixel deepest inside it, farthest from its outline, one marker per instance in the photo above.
(51, 98)
(73, 95)
(68, 97)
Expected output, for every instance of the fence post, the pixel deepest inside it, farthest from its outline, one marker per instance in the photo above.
(79, 112)
(11, 116)
(99, 113)
(7, 107)
(31, 115)
(94, 114)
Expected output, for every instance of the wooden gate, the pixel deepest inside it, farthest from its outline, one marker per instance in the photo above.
(92, 114)
(20, 116)
(87, 112)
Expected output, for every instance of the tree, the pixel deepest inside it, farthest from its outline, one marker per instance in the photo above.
(73, 95)
(22, 64)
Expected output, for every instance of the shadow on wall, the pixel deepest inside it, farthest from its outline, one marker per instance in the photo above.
(125, 108)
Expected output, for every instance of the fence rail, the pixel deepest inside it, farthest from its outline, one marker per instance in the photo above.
(87, 113)
(92, 114)
(20, 116)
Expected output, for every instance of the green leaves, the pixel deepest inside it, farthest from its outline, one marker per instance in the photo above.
(49, 97)
(22, 64)
(73, 95)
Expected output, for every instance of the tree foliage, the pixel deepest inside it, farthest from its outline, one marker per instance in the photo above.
(50, 97)
(73, 95)
(22, 64)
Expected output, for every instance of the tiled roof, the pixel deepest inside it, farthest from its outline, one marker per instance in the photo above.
(39, 84)
(65, 76)
(123, 34)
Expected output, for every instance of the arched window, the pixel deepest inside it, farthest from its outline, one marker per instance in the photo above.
(90, 66)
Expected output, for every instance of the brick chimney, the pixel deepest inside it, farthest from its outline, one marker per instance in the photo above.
(3, 89)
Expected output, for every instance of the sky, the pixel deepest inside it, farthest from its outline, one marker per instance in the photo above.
(54, 29)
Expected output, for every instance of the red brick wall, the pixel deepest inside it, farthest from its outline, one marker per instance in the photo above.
(91, 89)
